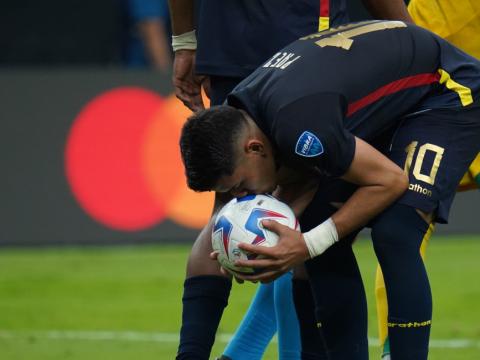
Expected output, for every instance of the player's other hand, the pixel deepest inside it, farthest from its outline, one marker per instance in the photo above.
(187, 85)
(291, 250)
(225, 272)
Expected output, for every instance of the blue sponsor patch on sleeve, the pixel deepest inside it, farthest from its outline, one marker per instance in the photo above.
(308, 145)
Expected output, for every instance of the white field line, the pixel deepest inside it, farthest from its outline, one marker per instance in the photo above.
(161, 337)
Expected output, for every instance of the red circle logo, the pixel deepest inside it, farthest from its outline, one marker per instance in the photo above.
(123, 165)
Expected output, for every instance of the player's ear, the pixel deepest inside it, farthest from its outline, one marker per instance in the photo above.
(255, 147)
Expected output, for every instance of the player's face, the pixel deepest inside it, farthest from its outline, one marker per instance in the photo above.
(255, 173)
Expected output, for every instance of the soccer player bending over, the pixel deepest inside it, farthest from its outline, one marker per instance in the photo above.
(385, 118)
(249, 25)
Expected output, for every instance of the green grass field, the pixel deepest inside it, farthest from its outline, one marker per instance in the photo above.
(124, 302)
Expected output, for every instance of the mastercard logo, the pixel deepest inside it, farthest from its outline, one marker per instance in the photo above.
(123, 164)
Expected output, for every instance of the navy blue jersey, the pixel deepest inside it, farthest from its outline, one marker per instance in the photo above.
(312, 97)
(236, 36)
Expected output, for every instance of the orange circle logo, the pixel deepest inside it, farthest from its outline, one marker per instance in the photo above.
(122, 162)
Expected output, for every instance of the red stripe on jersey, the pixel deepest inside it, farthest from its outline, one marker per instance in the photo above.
(324, 8)
(391, 88)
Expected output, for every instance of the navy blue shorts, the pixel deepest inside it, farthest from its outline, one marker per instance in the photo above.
(436, 148)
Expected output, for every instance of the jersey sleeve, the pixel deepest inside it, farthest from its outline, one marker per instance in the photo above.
(310, 130)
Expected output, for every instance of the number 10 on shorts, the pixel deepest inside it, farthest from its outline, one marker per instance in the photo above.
(417, 164)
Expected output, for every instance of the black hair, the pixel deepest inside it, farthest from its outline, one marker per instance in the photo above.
(207, 145)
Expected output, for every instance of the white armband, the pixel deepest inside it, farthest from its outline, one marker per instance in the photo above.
(320, 238)
(185, 41)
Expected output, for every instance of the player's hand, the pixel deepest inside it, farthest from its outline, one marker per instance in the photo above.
(225, 272)
(187, 85)
(290, 251)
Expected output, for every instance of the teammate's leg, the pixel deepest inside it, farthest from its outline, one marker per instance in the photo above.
(312, 342)
(257, 327)
(271, 308)
(382, 312)
(289, 347)
(471, 179)
(474, 170)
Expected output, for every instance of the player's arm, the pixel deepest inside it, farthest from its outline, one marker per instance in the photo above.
(187, 85)
(380, 182)
(318, 138)
(388, 9)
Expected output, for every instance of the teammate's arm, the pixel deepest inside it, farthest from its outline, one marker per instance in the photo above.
(181, 13)
(388, 9)
(152, 32)
(187, 85)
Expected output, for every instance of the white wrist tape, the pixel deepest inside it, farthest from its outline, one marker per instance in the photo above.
(320, 238)
(185, 41)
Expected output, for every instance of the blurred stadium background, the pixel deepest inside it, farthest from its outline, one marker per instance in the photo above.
(89, 158)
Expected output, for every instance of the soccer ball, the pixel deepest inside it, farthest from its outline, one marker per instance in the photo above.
(240, 220)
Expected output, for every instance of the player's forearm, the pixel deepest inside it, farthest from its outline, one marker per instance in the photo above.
(362, 206)
(380, 182)
(182, 16)
(367, 202)
(388, 9)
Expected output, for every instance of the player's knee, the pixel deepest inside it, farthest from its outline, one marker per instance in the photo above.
(398, 231)
(198, 266)
(199, 262)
